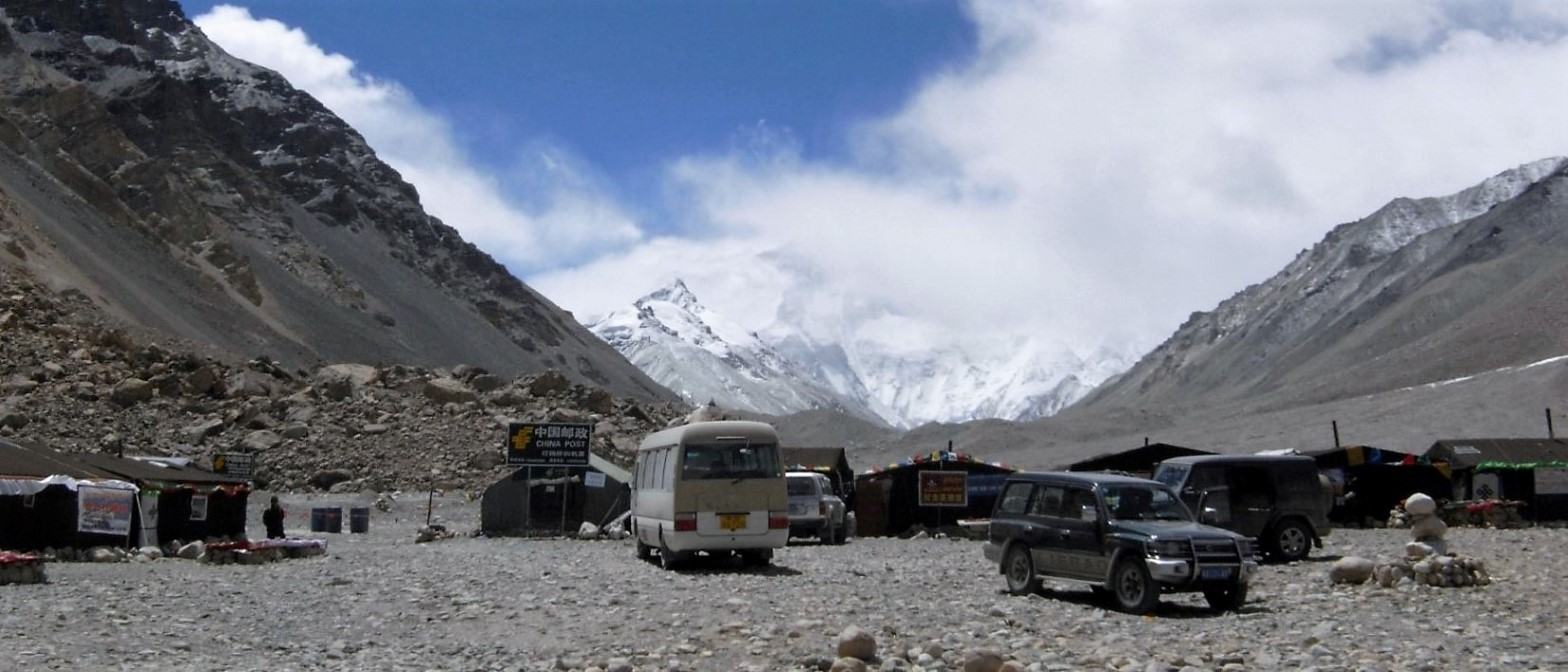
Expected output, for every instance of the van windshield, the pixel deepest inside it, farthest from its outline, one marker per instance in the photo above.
(704, 461)
(1172, 475)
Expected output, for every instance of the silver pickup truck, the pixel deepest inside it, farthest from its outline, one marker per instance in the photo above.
(814, 511)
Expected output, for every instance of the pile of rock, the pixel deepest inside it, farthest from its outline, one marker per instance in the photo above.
(71, 380)
(1426, 562)
(431, 533)
(1421, 567)
(21, 568)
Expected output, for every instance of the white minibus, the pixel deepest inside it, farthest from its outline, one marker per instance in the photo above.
(712, 487)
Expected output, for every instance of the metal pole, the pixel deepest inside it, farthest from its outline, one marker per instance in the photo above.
(430, 504)
(566, 482)
(528, 501)
(1336, 433)
(1550, 433)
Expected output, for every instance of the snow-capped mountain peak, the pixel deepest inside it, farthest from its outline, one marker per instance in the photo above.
(704, 357)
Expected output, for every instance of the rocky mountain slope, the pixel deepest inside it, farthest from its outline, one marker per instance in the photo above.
(1431, 318)
(72, 379)
(200, 197)
(1421, 290)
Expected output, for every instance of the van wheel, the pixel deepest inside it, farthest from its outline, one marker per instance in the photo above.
(1226, 598)
(644, 551)
(1018, 567)
(756, 558)
(669, 559)
(1290, 541)
(1132, 588)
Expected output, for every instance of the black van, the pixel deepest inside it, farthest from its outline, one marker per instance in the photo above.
(1279, 499)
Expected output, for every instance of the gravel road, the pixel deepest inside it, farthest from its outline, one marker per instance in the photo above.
(378, 601)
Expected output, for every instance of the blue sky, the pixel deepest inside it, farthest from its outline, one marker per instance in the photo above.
(626, 87)
(1090, 171)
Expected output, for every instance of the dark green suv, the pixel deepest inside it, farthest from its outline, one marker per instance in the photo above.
(1130, 538)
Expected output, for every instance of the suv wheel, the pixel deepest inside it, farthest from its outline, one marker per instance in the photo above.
(1018, 567)
(1226, 598)
(1132, 588)
(1290, 540)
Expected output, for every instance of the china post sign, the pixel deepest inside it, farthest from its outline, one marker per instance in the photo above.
(547, 444)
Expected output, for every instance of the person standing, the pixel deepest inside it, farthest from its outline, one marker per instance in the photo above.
(272, 518)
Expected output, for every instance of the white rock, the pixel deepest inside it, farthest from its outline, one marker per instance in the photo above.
(1352, 569)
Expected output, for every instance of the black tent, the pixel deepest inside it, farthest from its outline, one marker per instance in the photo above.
(183, 502)
(41, 501)
(926, 491)
(1369, 482)
(555, 500)
(1138, 461)
(1529, 470)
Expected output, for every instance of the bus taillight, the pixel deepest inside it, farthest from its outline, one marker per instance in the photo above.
(778, 520)
(687, 522)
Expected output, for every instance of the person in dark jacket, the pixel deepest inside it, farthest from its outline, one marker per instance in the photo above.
(272, 518)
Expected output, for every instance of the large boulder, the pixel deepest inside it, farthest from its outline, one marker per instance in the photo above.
(130, 392)
(449, 391)
(327, 478)
(856, 642)
(259, 441)
(341, 381)
(548, 383)
(249, 383)
(1351, 569)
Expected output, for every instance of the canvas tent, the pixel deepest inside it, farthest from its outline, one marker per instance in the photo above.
(1534, 471)
(179, 501)
(49, 499)
(1138, 461)
(926, 491)
(830, 461)
(1369, 482)
(556, 500)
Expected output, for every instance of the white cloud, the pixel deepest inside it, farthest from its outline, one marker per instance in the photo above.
(567, 220)
(1104, 168)
(1098, 171)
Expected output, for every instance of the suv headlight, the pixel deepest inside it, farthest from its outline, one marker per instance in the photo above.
(1169, 548)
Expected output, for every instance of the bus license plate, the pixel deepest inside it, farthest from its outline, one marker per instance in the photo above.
(732, 521)
(1216, 572)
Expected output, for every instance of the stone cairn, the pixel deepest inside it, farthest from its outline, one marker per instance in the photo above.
(1426, 562)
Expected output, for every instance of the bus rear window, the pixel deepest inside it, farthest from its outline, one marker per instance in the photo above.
(731, 461)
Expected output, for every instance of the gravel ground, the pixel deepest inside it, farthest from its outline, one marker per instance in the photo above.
(378, 601)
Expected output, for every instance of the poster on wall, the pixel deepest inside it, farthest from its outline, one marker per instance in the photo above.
(149, 510)
(199, 507)
(104, 510)
(1551, 481)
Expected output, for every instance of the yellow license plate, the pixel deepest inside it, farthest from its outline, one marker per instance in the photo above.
(732, 521)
